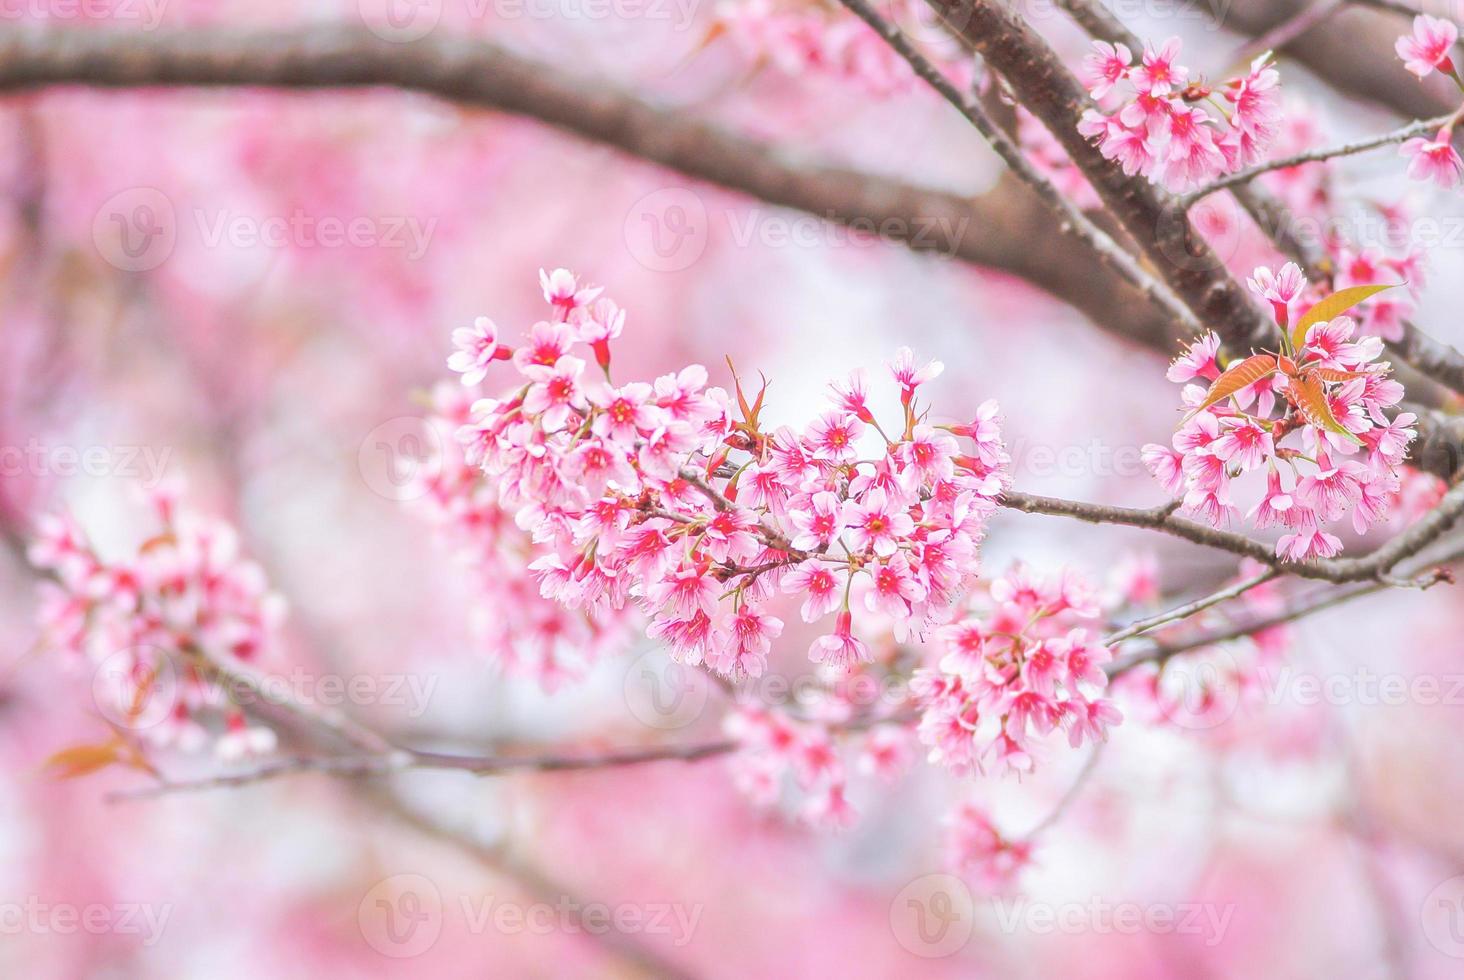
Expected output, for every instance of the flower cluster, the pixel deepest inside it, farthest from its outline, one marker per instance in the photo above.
(672, 496)
(776, 749)
(526, 634)
(1202, 691)
(148, 622)
(1026, 664)
(1163, 131)
(974, 847)
(1428, 49)
(1324, 394)
(799, 37)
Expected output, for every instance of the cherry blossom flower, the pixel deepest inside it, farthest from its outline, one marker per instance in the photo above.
(1106, 66)
(1279, 289)
(975, 847)
(145, 619)
(658, 497)
(478, 347)
(1429, 46)
(839, 648)
(1434, 160)
(1158, 74)
(1020, 667)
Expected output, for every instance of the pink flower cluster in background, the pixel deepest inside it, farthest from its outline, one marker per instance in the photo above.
(1172, 127)
(143, 621)
(1025, 664)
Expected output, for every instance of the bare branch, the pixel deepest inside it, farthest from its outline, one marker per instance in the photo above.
(1323, 599)
(1374, 566)
(403, 760)
(1191, 608)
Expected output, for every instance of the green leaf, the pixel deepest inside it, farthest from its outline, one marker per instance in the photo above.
(1236, 377)
(1334, 306)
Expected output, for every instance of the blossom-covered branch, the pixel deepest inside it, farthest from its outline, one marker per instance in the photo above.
(1414, 129)
(1051, 92)
(1070, 218)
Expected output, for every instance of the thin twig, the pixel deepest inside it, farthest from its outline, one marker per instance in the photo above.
(1071, 219)
(1418, 127)
(1189, 609)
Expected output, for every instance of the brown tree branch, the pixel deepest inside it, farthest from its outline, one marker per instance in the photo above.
(1150, 216)
(1374, 566)
(1070, 219)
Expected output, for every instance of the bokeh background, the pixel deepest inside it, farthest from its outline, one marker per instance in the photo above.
(247, 352)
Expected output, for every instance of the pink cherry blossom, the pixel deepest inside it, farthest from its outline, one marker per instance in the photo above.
(478, 347)
(1105, 66)
(839, 648)
(1434, 160)
(1429, 46)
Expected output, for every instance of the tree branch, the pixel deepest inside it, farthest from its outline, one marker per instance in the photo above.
(1297, 609)
(1418, 127)
(1150, 216)
(1070, 219)
(404, 760)
(1373, 566)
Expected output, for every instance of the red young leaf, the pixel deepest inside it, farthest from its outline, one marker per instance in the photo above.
(1236, 377)
(1337, 375)
(1310, 399)
(81, 760)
